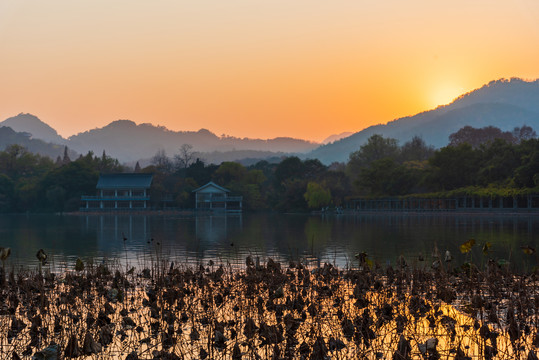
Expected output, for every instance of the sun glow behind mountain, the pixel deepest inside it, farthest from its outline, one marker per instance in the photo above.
(444, 94)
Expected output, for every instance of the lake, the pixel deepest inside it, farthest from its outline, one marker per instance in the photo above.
(230, 238)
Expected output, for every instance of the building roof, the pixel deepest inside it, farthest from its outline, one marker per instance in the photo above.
(124, 181)
(211, 184)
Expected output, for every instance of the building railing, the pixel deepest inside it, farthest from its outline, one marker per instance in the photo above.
(111, 209)
(220, 199)
(461, 203)
(108, 198)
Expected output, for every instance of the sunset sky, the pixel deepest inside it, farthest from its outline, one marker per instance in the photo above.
(247, 68)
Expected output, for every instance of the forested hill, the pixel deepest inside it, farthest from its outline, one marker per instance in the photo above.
(9, 137)
(503, 103)
(32, 125)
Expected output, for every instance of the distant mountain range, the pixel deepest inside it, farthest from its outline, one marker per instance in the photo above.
(336, 137)
(502, 103)
(129, 142)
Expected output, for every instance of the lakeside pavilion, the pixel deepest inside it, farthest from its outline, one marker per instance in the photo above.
(214, 197)
(124, 191)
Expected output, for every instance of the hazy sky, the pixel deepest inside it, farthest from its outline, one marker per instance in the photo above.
(247, 68)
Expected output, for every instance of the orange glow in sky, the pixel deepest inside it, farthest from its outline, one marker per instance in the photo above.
(303, 68)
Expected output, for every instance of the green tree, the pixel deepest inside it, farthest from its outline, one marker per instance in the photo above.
(291, 197)
(453, 167)
(527, 173)
(416, 150)
(376, 148)
(289, 169)
(183, 190)
(107, 164)
(385, 177)
(252, 197)
(18, 163)
(476, 137)
(201, 173)
(317, 196)
(498, 161)
(313, 169)
(267, 168)
(75, 179)
(230, 172)
(338, 185)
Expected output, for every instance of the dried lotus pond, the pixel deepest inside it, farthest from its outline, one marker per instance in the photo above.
(269, 310)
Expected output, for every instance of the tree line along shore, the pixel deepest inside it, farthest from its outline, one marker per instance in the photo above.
(484, 162)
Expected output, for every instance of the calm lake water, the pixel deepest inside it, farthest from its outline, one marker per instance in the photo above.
(331, 238)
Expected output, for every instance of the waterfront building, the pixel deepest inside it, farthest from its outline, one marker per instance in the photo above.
(214, 197)
(126, 191)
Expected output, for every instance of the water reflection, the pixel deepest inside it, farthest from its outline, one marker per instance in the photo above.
(217, 228)
(334, 239)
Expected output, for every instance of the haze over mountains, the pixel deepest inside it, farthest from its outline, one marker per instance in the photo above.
(502, 103)
(129, 142)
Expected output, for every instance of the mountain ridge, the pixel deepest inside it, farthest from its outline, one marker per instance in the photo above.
(28, 123)
(129, 142)
(504, 103)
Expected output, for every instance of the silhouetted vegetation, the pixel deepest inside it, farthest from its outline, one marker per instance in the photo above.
(30, 182)
(476, 159)
(483, 161)
(431, 309)
(476, 137)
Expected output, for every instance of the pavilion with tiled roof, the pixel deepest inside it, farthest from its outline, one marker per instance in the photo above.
(126, 191)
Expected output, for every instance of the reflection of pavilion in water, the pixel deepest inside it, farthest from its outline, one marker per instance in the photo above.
(217, 228)
(111, 229)
(208, 228)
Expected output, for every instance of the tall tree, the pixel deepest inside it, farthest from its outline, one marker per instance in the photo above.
(66, 160)
(230, 172)
(497, 162)
(524, 133)
(288, 169)
(162, 162)
(184, 157)
(416, 150)
(317, 195)
(527, 174)
(453, 167)
(476, 137)
(376, 148)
